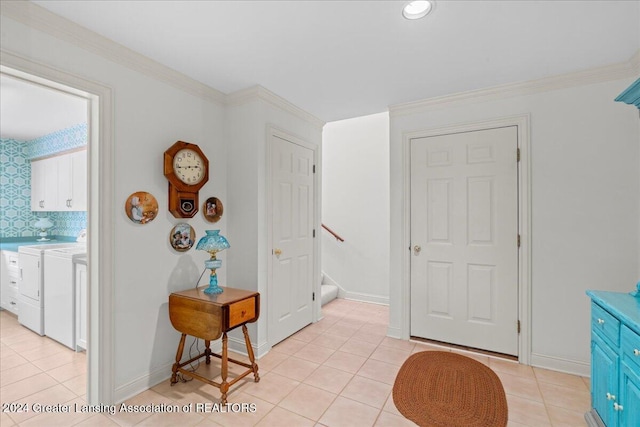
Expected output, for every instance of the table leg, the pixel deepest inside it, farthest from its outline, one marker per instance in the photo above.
(174, 369)
(224, 385)
(252, 359)
(207, 351)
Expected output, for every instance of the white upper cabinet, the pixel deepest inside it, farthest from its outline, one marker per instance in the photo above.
(59, 183)
(72, 181)
(44, 186)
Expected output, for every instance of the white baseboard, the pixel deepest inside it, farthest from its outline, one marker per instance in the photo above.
(143, 383)
(163, 373)
(238, 345)
(568, 366)
(355, 296)
(329, 281)
(394, 332)
(375, 299)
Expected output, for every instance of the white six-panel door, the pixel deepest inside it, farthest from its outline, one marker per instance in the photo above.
(292, 235)
(464, 231)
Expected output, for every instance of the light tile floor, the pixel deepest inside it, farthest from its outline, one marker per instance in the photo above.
(336, 372)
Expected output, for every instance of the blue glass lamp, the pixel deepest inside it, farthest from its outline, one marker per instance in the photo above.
(213, 242)
(43, 224)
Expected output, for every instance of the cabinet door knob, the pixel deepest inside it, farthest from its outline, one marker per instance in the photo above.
(617, 407)
(636, 352)
(611, 396)
(600, 321)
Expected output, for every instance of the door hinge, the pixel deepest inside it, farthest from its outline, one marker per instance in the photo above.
(313, 296)
(314, 233)
(314, 168)
(518, 155)
(518, 326)
(518, 240)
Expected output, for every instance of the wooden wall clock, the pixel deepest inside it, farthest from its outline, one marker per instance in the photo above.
(187, 169)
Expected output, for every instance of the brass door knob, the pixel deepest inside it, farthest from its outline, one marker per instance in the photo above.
(277, 252)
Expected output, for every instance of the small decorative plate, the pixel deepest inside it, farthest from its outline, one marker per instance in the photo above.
(182, 237)
(141, 207)
(212, 209)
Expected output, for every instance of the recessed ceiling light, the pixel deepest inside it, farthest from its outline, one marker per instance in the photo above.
(417, 9)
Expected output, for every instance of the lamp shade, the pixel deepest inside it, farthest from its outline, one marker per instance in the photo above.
(43, 223)
(212, 241)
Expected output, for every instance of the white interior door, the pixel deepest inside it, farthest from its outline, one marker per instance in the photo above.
(291, 303)
(464, 239)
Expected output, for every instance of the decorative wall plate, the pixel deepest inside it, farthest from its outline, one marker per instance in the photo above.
(141, 207)
(212, 209)
(182, 237)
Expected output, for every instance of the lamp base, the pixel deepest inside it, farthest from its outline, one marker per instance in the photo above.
(213, 290)
(43, 239)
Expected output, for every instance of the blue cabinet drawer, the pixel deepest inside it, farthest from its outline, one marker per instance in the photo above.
(603, 322)
(630, 346)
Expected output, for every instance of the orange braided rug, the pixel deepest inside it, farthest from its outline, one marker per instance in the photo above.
(437, 388)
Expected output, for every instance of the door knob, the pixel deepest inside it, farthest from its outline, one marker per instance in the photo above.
(416, 249)
(277, 252)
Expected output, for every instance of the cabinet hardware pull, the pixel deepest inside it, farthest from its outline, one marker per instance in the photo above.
(611, 396)
(636, 352)
(600, 321)
(618, 407)
(13, 303)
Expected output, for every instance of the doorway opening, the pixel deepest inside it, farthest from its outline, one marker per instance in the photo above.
(98, 217)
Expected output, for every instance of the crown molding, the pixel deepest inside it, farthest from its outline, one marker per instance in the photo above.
(629, 68)
(260, 93)
(43, 20)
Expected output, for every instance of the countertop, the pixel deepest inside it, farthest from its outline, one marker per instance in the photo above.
(13, 243)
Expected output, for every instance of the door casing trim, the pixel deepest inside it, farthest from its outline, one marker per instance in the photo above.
(100, 339)
(524, 222)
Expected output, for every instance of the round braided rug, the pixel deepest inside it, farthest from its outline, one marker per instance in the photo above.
(437, 388)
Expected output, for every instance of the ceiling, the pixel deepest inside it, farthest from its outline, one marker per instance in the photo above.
(29, 111)
(342, 59)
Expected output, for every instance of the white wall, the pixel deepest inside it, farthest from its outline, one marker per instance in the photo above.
(584, 209)
(148, 117)
(355, 204)
(152, 108)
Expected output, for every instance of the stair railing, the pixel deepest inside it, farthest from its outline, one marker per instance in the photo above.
(333, 233)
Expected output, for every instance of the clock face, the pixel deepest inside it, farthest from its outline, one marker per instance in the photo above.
(188, 166)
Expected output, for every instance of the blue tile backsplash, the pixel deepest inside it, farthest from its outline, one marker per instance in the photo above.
(16, 218)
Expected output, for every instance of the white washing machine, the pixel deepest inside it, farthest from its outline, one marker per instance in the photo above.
(31, 284)
(60, 294)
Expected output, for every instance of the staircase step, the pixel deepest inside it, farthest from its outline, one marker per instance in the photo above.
(328, 293)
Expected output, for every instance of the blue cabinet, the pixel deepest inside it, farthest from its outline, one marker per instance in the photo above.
(615, 360)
